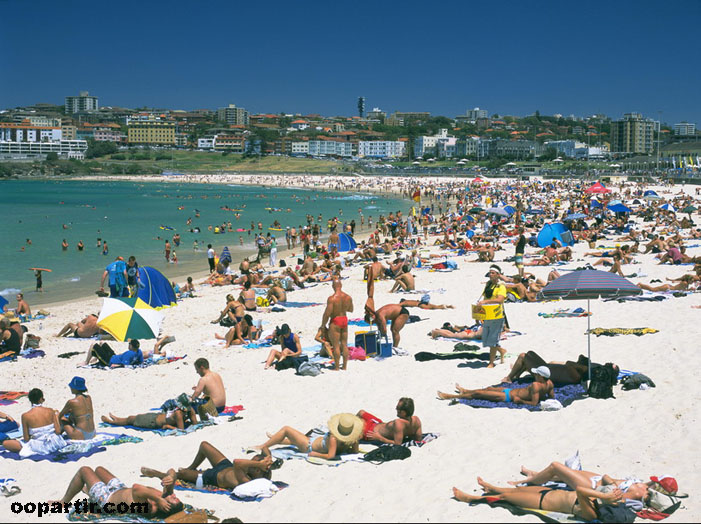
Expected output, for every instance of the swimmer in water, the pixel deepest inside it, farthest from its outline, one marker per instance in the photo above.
(80, 245)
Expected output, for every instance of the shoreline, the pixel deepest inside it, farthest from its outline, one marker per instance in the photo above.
(238, 253)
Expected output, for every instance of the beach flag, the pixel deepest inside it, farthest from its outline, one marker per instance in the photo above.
(417, 195)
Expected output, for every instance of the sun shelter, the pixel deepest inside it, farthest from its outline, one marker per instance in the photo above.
(556, 231)
(154, 288)
(346, 242)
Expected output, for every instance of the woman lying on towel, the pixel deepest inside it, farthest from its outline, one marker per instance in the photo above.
(558, 472)
(561, 373)
(176, 419)
(582, 503)
(457, 332)
(540, 389)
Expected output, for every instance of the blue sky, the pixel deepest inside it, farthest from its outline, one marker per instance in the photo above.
(304, 57)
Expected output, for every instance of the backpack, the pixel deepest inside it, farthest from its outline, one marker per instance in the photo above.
(615, 513)
(603, 378)
(309, 369)
(387, 452)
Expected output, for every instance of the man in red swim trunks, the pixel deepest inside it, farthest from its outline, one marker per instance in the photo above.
(337, 307)
(405, 426)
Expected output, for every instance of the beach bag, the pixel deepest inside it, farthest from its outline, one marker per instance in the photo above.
(602, 380)
(262, 302)
(227, 322)
(663, 502)
(387, 452)
(617, 513)
(207, 410)
(635, 381)
(283, 263)
(356, 353)
(309, 369)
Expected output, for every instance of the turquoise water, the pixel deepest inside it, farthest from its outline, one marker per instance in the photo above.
(129, 215)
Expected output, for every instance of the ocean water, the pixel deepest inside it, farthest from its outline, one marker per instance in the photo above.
(129, 216)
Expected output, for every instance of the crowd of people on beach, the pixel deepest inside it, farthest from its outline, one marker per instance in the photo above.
(498, 226)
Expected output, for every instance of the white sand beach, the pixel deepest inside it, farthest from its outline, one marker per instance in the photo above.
(639, 433)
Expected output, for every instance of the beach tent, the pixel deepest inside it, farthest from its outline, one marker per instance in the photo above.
(597, 189)
(651, 195)
(618, 208)
(556, 231)
(3, 303)
(154, 288)
(346, 242)
(225, 255)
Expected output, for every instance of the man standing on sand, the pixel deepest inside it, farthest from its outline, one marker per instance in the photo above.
(210, 385)
(337, 307)
(117, 272)
(167, 251)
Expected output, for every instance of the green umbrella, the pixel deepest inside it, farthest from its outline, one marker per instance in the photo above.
(689, 209)
(476, 210)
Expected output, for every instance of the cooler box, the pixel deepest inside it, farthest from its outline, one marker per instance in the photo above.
(385, 349)
(487, 311)
(369, 341)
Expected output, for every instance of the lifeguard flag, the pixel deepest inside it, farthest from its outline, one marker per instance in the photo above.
(417, 195)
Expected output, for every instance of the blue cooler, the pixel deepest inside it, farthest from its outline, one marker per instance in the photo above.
(385, 349)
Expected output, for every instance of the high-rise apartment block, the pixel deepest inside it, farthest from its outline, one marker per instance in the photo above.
(633, 134)
(233, 116)
(81, 103)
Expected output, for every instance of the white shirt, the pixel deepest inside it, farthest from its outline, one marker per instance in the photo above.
(210, 253)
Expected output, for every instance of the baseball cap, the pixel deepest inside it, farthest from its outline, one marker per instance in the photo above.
(543, 371)
(666, 485)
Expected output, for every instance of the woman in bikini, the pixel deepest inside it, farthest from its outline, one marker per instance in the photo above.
(248, 297)
(242, 333)
(582, 503)
(344, 433)
(233, 312)
(76, 417)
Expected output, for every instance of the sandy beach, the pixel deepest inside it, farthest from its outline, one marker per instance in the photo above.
(639, 433)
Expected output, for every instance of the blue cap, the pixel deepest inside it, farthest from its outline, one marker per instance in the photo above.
(78, 384)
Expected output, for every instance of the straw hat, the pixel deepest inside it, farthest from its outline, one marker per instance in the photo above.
(347, 428)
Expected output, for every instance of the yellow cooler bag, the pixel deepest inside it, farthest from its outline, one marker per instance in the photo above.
(487, 311)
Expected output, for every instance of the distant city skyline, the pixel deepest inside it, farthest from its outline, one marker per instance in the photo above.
(510, 59)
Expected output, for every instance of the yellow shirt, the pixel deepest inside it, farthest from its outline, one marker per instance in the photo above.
(497, 310)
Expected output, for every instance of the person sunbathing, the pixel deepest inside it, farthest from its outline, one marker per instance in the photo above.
(684, 284)
(103, 487)
(561, 373)
(406, 426)
(542, 261)
(176, 419)
(223, 474)
(457, 332)
(404, 281)
(242, 333)
(102, 354)
(276, 294)
(231, 314)
(558, 472)
(86, 328)
(540, 389)
(41, 430)
(580, 503)
(424, 303)
(344, 433)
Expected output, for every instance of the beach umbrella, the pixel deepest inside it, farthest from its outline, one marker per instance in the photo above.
(689, 209)
(596, 203)
(126, 318)
(346, 242)
(589, 284)
(651, 195)
(668, 207)
(3, 303)
(498, 211)
(510, 209)
(619, 208)
(476, 210)
(155, 289)
(597, 188)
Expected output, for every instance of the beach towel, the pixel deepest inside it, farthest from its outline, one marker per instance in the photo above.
(181, 485)
(612, 332)
(10, 397)
(299, 304)
(566, 395)
(73, 516)
(425, 439)
(145, 364)
(259, 344)
(643, 298)
(545, 516)
(566, 313)
(32, 353)
(77, 449)
(423, 356)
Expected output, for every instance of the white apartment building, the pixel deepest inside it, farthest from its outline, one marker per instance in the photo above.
(37, 120)
(381, 149)
(64, 148)
(81, 103)
(428, 144)
(205, 143)
(299, 148)
(10, 132)
(685, 129)
(330, 148)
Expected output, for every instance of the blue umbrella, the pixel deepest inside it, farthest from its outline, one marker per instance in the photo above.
(3, 302)
(596, 203)
(498, 211)
(651, 195)
(588, 284)
(510, 209)
(668, 207)
(619, 208)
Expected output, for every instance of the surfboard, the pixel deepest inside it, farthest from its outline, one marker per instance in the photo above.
(40, 269)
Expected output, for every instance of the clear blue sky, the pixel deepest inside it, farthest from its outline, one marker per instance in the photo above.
(509, 57)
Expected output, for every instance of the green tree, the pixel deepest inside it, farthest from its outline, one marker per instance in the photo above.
(98, 149)
(51, 157)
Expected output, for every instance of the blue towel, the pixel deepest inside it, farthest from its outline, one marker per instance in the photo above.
(300, 304)
(565, 394)
(56, 456)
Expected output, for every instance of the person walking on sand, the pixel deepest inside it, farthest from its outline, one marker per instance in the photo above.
(338, 306)
(494, 295)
